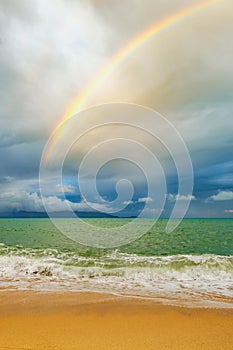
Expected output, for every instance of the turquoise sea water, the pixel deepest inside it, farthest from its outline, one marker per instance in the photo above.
(192, 265)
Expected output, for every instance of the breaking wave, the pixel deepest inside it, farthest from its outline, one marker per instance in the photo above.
(191, 280)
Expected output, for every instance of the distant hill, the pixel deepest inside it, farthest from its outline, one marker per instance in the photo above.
(81, 214)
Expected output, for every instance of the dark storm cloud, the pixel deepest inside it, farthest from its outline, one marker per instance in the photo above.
(21, 160)
(49, 50)
(45, 56)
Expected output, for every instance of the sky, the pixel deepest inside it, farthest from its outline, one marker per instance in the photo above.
(50, 50)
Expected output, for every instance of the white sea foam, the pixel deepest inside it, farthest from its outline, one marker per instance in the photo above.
(197, 280)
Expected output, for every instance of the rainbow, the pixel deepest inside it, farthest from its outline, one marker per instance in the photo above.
(114, 61)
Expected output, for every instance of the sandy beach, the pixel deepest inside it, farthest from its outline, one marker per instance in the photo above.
(34, 321)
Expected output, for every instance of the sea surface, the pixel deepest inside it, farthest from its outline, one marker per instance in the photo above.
(192, 266)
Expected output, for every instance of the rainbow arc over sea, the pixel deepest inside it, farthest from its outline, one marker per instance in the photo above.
(114, 61)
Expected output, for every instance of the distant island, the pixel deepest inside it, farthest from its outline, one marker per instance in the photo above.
(65, 215)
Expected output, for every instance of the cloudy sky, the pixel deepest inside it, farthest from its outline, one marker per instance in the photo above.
(50, 50)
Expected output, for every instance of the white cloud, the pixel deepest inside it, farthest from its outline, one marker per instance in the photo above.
(6, 179)
(128, 202)
(66, 189)
(180, 197)
(229, 211)
(25, 201)
(145, 200)
(152, 212)
(20, 201)
(221, 196)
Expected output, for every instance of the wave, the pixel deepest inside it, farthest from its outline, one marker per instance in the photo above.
(196, 280)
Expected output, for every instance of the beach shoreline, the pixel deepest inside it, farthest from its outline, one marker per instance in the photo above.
(48, 320)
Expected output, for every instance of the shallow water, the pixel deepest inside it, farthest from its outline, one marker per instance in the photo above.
(191, 266)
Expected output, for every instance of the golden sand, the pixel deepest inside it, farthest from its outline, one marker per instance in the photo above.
(87, 321)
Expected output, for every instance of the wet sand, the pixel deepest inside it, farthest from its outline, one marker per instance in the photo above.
(59, 321)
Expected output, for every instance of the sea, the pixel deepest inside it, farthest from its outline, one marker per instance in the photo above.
(191, 266)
